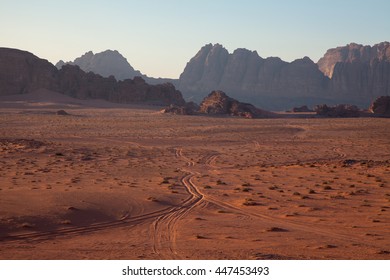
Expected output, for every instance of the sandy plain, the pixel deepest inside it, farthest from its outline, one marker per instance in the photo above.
(132, 183)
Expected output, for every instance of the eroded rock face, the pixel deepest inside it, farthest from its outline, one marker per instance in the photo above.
(381, 106)
(353, 53)
(358, 73)
(22, 72)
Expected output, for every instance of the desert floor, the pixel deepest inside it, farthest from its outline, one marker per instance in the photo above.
(132, 183)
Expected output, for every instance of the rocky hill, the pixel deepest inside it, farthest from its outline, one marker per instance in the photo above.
(22, 72)
(218, 103)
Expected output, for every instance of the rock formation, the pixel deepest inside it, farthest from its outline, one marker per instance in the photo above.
(381, 106)
(218, 103)
(22, 72)
(190, 108)
(338, 111)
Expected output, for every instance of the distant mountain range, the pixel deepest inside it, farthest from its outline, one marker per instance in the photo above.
(110, 63)
(353, 74)
(22, 72)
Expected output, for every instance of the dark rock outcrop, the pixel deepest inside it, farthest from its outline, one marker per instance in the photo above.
(62, 113)
(190, 108)
(218, 103)
(338, 111)
(302, 109)
(76, 83)
(381, 106)
(22, 72)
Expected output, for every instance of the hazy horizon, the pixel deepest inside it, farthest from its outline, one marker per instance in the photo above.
(158, 38)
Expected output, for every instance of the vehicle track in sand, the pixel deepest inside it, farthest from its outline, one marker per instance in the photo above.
(164, 228)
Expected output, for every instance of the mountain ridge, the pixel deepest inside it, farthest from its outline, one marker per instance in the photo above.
(22, 72)
(354, 74)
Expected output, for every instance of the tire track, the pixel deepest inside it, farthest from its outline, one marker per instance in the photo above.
(65, 232)
(164, 228)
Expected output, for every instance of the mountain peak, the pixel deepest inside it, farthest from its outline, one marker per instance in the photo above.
(106, 63)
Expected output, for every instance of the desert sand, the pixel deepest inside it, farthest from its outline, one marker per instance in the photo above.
(132, 183)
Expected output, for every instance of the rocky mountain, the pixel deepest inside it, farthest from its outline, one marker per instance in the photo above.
(269, 82)
(353, 74)
(107, 63)
(22, 72)
(110, 63)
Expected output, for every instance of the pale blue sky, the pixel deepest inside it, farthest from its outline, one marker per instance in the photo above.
(158, 37)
